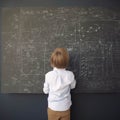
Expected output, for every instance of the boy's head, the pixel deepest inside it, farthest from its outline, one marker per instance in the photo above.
(59, 58)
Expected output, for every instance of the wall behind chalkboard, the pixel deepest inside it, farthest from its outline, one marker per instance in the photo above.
(91, 36)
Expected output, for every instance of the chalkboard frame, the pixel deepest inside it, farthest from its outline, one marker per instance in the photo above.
(56, 3)
(0, 47)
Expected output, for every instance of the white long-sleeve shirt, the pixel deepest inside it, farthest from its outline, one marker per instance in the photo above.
(58, 84)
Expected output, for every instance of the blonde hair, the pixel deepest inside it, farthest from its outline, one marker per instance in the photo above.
(59, 58)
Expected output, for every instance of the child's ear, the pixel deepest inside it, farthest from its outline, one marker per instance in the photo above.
(52, 65)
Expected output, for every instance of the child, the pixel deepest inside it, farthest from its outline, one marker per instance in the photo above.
(58, 83)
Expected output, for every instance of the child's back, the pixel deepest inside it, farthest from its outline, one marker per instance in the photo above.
(60, 82)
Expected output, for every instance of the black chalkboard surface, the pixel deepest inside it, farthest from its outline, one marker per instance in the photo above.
(91, 36)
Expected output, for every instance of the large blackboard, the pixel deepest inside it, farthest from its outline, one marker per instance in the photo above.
(91, 35)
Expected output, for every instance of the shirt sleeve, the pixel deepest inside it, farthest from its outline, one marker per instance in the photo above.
(73, 84)
(46, 86)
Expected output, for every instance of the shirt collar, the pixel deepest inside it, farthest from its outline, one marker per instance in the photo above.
(58, 68)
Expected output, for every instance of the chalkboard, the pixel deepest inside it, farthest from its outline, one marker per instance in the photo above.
(91, 36)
